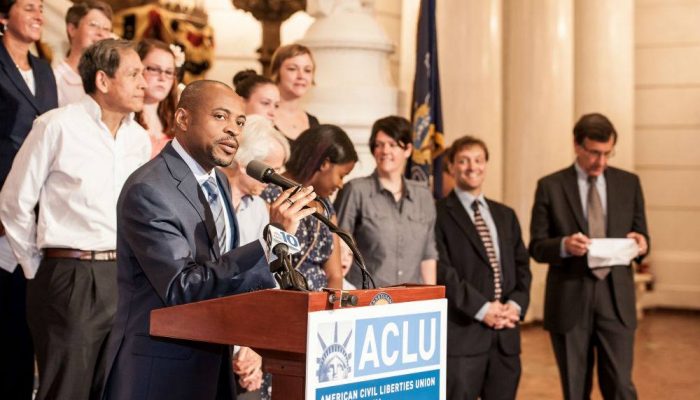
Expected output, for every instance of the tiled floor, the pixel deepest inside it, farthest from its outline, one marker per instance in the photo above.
(666, 364)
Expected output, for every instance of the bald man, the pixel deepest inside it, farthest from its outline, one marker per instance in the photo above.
(177, 242)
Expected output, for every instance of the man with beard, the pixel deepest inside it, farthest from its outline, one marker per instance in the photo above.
(177, 243)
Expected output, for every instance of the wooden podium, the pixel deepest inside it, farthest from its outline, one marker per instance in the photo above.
(273, 323)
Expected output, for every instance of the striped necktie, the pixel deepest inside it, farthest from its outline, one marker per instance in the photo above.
(485, 236)
(596, 220)
(217, 210)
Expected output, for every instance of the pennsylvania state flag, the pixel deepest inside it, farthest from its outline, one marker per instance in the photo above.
(426, 112)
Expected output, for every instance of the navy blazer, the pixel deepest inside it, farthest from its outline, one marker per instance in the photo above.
(557, 212)
(464, 269)
(167, 254)
(19, 107)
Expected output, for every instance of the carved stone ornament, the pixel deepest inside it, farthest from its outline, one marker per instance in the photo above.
(271, 14)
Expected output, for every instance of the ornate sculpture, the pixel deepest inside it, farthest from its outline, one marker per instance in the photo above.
(184, 24)
(271, 13)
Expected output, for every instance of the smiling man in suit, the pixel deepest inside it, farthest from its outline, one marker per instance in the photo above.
(590, 313)
(177, 242)
(485, 268)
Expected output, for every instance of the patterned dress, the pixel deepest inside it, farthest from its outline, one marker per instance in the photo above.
(311, 232)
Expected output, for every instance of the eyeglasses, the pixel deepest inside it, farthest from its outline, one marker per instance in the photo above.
(157, 71)
(598, 154)
(98, 26)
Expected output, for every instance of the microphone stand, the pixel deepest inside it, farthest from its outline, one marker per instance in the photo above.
(286, 276)
(264, 173)
(347, 238)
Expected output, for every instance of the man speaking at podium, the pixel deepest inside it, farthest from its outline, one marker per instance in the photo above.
(177, 243)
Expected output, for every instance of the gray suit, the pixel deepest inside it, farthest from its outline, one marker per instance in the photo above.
(168, 254)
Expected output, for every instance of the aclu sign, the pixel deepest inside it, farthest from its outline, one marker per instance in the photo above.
(386, 352)
(398, 342)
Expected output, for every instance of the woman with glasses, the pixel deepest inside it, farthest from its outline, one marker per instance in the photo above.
(391, 218)
(160, 102)
(87, 23)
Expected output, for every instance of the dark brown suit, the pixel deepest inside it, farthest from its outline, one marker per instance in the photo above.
(575, 301)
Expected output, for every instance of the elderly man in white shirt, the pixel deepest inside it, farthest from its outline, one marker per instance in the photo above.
(73, 165)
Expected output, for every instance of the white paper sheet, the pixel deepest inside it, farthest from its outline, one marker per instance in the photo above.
(8, 262)
(609, 252)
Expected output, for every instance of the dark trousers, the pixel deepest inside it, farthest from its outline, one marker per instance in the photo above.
(489, 376)
(70, 308)
(600, 334)
(16, 351)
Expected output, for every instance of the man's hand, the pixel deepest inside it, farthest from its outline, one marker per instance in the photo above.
(511, 316)
(287, 210)
(248, 366)
(494, 315)
(641, 242)
(577, 244)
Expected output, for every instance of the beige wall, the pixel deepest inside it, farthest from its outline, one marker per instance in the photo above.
(655, 76)
(667, 122)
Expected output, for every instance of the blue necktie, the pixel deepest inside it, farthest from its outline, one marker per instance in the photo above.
(217, 210)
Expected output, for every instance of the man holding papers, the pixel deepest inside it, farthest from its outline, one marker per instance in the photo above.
(589, 298)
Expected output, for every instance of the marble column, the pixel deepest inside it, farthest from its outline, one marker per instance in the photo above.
(539, 105)
(353, 78)
(604, 68)
(470, 46)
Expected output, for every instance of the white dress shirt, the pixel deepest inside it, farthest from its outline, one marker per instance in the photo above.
(202, 176)
(72, 166)
(69, 84)
(252, 216)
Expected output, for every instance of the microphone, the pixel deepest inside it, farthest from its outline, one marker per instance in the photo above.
(280, 242)
(266, 174)
(282, 245)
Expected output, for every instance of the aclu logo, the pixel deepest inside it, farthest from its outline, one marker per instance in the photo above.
(396, 343)
(335, 360)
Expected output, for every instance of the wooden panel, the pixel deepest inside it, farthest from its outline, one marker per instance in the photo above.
(676, 268)
(268, 319)
(667, 24)
(671, 188)
(667, 147)
(673, 230)
(273, 319)
(668, 66)
(668, 107)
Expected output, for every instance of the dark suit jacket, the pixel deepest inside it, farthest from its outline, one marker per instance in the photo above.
(167, 254)
(19, 107)
(464, 269)
(556, 213)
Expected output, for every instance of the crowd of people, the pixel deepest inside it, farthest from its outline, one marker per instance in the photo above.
(121, 193)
